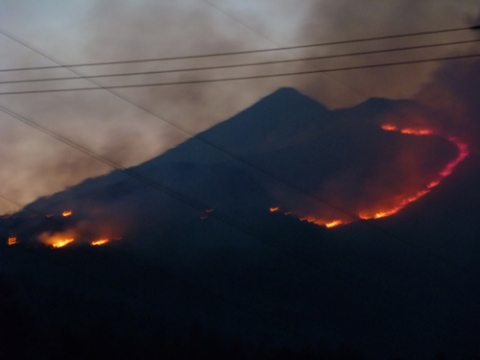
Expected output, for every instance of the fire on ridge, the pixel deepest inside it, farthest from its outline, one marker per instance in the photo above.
(403, 200)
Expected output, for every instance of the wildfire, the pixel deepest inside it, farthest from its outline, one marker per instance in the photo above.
(447, 170)
(408, 131)
(463, 153)
(312, 219)
(99, 242)
(67, 213)
(12, 240)
(62, 242)
(333, 223)
(406, 199)
(388, 127)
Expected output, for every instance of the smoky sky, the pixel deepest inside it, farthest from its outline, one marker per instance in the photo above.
(83, 31)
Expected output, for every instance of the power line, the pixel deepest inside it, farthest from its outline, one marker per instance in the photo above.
(253, 77)
(273, 62)
(341, 42)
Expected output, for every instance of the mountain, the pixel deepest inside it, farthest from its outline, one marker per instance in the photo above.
(198, 242)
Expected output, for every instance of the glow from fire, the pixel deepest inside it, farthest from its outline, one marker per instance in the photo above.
(67, 213)
(57, 240)
(447, 170)
(12, 241)
(62, 242)
(99, 242)
(311, 219)
(402, 200)
(333, 223)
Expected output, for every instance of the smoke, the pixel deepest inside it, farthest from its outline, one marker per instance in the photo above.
(34, 165)
(343, 20)
(453, 94)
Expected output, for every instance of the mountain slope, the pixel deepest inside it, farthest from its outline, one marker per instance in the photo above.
(202, 244)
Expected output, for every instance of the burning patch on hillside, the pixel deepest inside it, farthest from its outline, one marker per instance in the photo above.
(57, 240)
(395, 184)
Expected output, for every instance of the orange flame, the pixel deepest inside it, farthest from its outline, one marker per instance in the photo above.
(99, 242)
(408, 131)
(61, 243)
(447, 170)
(333, 223)
(12, 240)
(463, 152)
(57, 240)
(312, 219)
(67, 213)
(389, 127)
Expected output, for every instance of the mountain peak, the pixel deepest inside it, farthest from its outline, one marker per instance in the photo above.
(275, 121)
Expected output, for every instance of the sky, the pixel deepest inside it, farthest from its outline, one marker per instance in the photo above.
(78, 31)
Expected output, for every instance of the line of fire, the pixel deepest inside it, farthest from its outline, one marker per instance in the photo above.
(402, 200)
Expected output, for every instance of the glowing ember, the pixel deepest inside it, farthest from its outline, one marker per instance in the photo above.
(99, 242)
(49, 215)
(61, 243)
(273, 209)
(12, 240)
(67, 213)
(209, 210)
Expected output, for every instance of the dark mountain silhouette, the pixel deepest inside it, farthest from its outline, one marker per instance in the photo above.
(200, 245)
